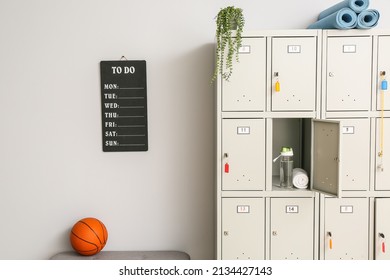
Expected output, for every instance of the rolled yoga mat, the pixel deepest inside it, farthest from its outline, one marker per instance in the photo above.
(342, 19)
(367, 19)
(355, 5)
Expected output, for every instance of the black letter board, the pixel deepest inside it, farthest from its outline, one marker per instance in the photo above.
(124, 110)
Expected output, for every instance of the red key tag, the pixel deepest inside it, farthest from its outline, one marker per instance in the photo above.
(383, 247)
(226, 167)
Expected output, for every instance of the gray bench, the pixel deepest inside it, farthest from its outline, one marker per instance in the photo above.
(124, 255)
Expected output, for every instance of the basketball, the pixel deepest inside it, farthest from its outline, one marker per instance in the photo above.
(88, 236)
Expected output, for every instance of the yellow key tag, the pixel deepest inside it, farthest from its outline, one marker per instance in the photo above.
(277, 86)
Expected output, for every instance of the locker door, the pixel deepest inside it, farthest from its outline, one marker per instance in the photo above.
(348, 74)
(382, 170)
(294, 66)
(346, 228)
(242, 228)
(292, 228)
(383, 65)
(243, 151)
(326, 147)
(355, 154)
(382, 228)
(245, 90)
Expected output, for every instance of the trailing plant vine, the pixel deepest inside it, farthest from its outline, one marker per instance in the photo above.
(228, 19)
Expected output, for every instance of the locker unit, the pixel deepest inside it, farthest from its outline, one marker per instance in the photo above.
(242, 228)
(245, 90)
(292, 132)
(317, 91)
(348, 73)
(383, 98)
(243, 147)
(356, 148)
(382, 228)
(382, 163)
(292, 228)
(345, 230)
(294, 62)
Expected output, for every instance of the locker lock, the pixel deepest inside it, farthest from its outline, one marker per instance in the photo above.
(274, 233)
(331, 74)
(225, 233)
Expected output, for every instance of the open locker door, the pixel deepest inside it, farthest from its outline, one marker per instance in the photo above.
(326, 157)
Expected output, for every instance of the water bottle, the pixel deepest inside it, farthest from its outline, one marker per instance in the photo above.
(286, 167)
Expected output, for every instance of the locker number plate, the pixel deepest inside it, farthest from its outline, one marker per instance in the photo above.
(346, 209)
(243, 130)
(294, 49)
(349, 48)
(243, 209)
(348, 129)
(244, 49)
(292, 209)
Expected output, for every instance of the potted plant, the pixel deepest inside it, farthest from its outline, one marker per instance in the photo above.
(227, 20)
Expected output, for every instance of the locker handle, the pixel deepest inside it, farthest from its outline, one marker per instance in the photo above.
(330, 240)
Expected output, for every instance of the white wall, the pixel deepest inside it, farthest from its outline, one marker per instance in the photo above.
(52, 168)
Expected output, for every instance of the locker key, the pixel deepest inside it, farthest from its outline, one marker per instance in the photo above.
(381, 235)
(227, 168)
(277, 86)
(330, 240)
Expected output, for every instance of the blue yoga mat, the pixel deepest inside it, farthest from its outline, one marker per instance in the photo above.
(342, 19)
(367, 19)
(355, 5)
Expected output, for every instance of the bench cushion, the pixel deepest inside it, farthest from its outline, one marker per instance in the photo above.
(124, 255)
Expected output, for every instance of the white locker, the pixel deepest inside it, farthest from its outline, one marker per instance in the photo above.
(345, 229)
(294, 67)
(245, 90)
(382, 228)
(327, 108)
(292, 228)
(355, 154)
(243, 154)
(383, 66)
(348, 73)
(382, 164)
(243, 228)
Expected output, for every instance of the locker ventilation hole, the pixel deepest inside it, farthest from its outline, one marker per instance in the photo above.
(243, 178)
(291, 257)
(352, 179)
(244, 98)
(243, 257)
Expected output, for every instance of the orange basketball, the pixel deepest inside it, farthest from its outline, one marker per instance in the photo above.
(88, 236)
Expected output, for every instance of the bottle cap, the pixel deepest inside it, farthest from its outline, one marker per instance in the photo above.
(287, 151)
